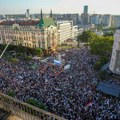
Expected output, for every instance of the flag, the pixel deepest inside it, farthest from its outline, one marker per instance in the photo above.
(57, 62)
(89, 104)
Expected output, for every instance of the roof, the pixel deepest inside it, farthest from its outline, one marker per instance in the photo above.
(22, 22)
(46, 22)
(109, 87)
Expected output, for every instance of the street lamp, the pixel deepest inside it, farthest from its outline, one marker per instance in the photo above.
(5, 49)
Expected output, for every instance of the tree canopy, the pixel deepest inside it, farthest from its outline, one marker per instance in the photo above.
(11, 93)
(85, 36)
(101, 45)
(37, 104)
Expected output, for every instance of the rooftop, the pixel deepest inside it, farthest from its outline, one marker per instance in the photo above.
(46, 22)
(22, 22)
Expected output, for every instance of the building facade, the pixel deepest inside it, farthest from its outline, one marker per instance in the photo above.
(107, 20)
(94, 19)
(116, 20)
(115, 59)
(64, 31)
(86, 9)
(85, 17)
(74, 32)
(33, 34)
(67, 17)
(27, 13)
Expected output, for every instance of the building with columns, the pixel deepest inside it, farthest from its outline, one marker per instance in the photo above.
(115, 59)
(29, 33)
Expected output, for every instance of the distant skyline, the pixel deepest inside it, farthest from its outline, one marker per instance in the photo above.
(59, 6)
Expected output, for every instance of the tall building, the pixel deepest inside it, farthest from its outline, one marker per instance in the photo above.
(94, 19)
(27, 13)
(116, 20)
(85, 18)
(30, 33)
(64, 31)
(100, 19)
(107, 20)
(85, 9)
(67, 17)
(115, 59)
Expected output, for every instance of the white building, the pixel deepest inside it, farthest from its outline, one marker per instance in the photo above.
(64, 30)
(74, 32)
(115, 59)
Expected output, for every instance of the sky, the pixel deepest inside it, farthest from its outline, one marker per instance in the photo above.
(59, 6)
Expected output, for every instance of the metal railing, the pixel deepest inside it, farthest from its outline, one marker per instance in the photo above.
(24, 110)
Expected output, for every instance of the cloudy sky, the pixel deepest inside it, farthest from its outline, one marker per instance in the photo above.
(59, 6)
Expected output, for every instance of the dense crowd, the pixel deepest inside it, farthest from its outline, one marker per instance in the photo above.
(68, 93)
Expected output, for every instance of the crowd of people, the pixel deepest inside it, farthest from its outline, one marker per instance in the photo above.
(69, 93)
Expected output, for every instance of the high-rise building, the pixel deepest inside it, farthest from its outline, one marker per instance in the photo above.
(27, 13)
(94, 19)
(67, 17)
(115, 59)
(85, 9)
(100, 19)
(107, 20)
(85, 18)
(116, 20)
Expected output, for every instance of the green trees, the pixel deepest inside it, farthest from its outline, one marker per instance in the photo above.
(99, 27)
(78, 40)
(108, 34)
(37, 104)
(22, 51)
(38, 52)
(101, 45)
(11, 93)
(13, 60)
(85, 36)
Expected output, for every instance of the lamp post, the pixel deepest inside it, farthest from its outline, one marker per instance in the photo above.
(5, 49)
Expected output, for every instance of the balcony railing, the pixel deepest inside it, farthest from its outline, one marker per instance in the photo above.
(24, 110)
